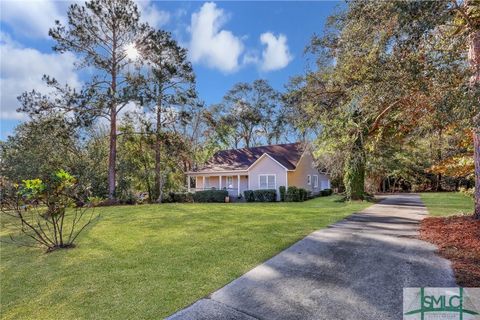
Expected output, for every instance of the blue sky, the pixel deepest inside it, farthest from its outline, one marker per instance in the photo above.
(228, 41)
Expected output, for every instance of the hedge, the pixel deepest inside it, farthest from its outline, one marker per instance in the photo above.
(283, 192)
(249, 196)
(292, 194)
(302, 193)
(180, 197)
(265, 195)
(210, 196)
(295, 194)
(326, 192)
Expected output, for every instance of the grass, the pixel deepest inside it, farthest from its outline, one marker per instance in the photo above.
(447, 203)
(146, 262)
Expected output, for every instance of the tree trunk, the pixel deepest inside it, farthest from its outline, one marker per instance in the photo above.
(394, 185)
(439, 159)
(112, 157)
(474, 60)
(158, 158)
(354, 178)
(476, 146)
(113, 153)
(146, 170)
(438, 186)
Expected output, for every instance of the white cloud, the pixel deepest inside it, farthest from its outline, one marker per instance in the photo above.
(276, 54)
(150, 14)
(22, 69)
(209, 44)
(32, 18)
(251, 57)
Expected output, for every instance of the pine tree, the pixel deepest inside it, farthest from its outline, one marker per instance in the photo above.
(101, 33)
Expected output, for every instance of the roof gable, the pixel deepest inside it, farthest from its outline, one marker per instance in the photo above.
(286, 155)
(266, 155)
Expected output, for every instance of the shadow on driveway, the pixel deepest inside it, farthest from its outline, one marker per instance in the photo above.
(354, 269)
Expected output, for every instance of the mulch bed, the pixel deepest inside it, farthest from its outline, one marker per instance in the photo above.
(458, 240)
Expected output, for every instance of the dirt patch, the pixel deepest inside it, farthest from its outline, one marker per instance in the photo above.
(458, 240)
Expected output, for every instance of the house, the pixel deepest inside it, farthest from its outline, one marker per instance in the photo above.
(265, 167)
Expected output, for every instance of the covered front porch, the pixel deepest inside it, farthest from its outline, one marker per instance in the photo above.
(234, 182)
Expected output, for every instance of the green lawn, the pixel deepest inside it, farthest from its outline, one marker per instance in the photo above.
(145, 262)
(447, 203)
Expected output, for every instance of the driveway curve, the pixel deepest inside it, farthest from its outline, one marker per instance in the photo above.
(354, 269)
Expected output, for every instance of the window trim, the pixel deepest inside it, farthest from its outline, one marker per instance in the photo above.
(267, 175)
(309, 180)
(315, 181)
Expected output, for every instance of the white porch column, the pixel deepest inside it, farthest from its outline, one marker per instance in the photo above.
(188, 183)
(203, 186)
(238, 185)
(220, 183)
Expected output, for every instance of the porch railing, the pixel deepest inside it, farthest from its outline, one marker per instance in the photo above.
(231, 191)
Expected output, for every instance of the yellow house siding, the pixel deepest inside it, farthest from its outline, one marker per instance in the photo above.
(306, 167)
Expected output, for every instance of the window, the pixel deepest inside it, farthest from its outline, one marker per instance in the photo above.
(230, 182)
(323, 184)
(315, 181)
(309, 179)
(267, 181)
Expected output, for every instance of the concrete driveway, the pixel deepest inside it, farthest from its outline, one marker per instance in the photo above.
(354, 269)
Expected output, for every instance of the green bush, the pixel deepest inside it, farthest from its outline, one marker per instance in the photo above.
(210, 196)
(295, 194)
(249, 196)
(292, 194)
(309, 195)
(326, 192)
(50, 212)
(265, 195)
(302, 194)
(127, 198)
(282, 191)
(181, 197)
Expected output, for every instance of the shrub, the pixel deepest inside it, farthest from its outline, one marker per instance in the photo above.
(292, 194)
(52, 212)
(309, 195)
(282, 191)
(127, 198)
(249, 196)
(181, 197)
(326, 192)
(302, 194)
(468, 192)
(210, 196)
(265, 195)
(295, 194)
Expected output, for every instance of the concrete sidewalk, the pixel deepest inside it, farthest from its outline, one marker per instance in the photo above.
(354, 269)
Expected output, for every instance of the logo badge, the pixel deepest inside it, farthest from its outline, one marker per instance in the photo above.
(441, 303)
